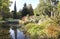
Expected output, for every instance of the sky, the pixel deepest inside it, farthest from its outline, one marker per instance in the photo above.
(20, 3)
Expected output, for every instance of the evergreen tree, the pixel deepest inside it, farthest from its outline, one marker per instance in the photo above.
(25, 10)
(14, 13)
(31, 12)
(19, 14)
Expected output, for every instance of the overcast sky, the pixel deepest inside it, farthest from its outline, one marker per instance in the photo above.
(20, 4)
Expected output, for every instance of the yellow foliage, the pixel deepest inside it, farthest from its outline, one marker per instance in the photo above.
(52, 30)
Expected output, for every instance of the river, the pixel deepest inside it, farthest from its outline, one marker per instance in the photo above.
(20, 34)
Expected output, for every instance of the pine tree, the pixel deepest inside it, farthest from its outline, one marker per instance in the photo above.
(25, 10)
(15, 10)
(31, 12)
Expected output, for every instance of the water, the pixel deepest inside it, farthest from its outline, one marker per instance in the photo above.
(20, 34)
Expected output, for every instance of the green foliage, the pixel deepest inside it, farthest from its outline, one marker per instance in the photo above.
(39, 31)
(14, 13)
(31, 12)
(49, 27)
(50, 8)
(19, 14)
(4, 8)
(4, 13)
(42, 8)
(4, 31)
(33, 29)
(25, 10)
(47, 7)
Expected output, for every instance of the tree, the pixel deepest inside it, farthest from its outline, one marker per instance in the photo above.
(19, 14)
(57, 13)
(4, 11)
(31, 12)
(41, 7)
(14, 13)
(4, 8)
(52, 5)
(46, 7)
(25, 10)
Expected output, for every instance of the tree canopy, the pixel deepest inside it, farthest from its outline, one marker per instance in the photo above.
(4, 8)
(47, 7)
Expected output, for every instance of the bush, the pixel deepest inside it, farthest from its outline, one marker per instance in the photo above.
(47, 29)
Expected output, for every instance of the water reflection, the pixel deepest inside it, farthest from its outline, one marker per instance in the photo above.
(20, 34)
